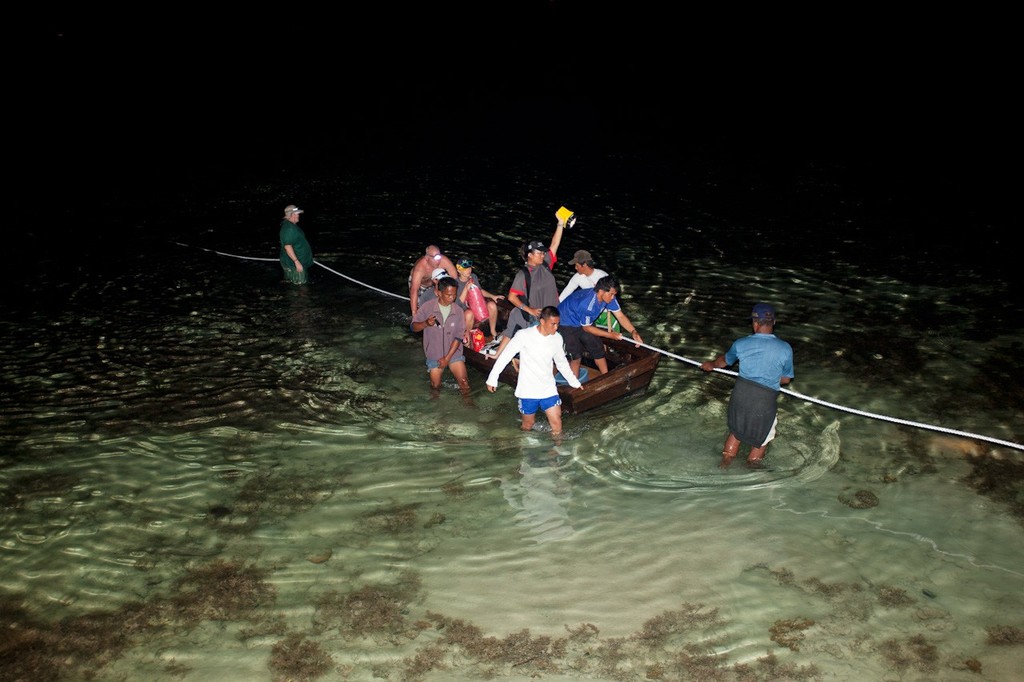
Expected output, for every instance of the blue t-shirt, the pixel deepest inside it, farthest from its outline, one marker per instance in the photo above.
(581, 308)
(763, 358)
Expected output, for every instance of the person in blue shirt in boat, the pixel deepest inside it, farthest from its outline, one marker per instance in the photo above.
(586, 277)
(580, 311)
(538, 347)
(766, 364)
(444, 331)
(296, 254)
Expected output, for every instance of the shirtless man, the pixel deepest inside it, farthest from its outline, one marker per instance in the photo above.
(419, 276)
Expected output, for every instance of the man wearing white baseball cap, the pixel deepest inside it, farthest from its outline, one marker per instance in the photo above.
(431, 292)
(296, 254)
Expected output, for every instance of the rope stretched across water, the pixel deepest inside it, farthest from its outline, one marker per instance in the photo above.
(277, 260)
(787, 391)
(872, 415)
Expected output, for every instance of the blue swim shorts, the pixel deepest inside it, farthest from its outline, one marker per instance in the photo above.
(531, 405)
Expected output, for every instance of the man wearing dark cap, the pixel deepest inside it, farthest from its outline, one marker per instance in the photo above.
(296, 254)
(766, 363)
(534, 286)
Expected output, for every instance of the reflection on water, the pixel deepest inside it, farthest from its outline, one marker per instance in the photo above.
(540, 495)
(208, 473)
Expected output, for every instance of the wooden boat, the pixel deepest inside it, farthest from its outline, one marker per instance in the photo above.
(630, 370)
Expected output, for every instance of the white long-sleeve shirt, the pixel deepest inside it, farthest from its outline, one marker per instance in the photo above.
(536, 353)
(581, 281)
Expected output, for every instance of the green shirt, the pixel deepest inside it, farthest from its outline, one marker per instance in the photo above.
(293, 234)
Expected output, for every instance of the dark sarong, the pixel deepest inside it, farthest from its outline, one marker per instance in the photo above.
(752, 410)
(517, 320)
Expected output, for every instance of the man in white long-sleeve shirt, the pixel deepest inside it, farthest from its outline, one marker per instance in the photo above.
(586, 274)
(538, 347)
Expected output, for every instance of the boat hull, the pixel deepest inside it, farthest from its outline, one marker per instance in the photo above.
(631, 369)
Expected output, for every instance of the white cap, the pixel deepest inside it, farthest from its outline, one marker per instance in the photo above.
(438, 273)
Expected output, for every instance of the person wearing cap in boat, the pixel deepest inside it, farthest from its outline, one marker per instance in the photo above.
(580, 311)
(421, 279)
(534, 286)
(586, 274)
(464, 267)
(296, 254)
(766, 364)
(585, 278)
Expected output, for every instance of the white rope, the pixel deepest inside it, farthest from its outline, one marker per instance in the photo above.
(801, 396)
(404, 298)
(965, 434)
(221, 253)
(275, 260)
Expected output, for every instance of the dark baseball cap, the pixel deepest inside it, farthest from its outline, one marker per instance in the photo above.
(764, 312)
(581, 256)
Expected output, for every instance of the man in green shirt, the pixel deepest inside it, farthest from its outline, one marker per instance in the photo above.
(296, 254)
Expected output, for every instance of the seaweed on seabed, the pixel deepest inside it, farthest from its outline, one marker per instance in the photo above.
(431, 657)
(519, 649)
(87, 643)
(295, 658)
(1003, 635)
(370, 609)
(394, 520)
(918, 653)
(789, 633)
(74, 647)
(1001, 480)
(769, 668)
(656, 631)
(893, 597)
(222, 590)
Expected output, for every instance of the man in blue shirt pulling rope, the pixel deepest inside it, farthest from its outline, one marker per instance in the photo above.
(766, 363)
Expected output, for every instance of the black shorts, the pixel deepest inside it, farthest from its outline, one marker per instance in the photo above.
(577, 341)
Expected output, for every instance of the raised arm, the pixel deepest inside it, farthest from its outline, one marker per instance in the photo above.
(556, 238)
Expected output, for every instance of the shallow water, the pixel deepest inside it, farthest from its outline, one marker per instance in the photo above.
(209, 474)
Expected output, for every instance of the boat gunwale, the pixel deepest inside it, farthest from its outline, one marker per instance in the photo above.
(631, 373)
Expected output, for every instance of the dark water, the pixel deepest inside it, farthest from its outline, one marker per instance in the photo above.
(206, 470)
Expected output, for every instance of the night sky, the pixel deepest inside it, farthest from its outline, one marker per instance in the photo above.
(115, 102)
